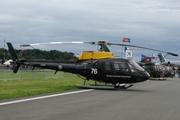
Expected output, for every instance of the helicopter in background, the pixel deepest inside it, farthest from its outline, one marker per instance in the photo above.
(8, 62)
(156, 70)
(172, 63)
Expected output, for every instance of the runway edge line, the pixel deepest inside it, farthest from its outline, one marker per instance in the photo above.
(43, 97)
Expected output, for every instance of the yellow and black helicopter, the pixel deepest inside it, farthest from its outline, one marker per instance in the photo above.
(99, 66)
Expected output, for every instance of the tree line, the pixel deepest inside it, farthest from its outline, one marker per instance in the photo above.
(38, 54)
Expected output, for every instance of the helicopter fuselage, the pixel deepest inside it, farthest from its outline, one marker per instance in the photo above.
(110, 70)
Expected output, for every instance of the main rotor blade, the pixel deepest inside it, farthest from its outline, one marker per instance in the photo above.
(101, 42)
(173, 54)
(47, 43)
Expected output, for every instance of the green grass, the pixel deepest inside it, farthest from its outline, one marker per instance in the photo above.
(28, 74)
(38, 83)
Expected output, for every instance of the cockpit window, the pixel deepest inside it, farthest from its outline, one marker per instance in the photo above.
(107, 66)
(120, 66)
(116, 66)
(135, 65)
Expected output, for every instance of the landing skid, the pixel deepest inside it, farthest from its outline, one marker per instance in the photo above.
(104, 87)
(160, 78)
(124, 86)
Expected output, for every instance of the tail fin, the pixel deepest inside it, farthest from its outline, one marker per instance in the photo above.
(12, 51)
(14, 56)
(144, 58)
(161, 57)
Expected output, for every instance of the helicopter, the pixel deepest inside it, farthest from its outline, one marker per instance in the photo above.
(156, 70)
(173, 63)
(8, 62)
(99, 66)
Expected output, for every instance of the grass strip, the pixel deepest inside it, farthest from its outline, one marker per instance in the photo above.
(35, 86)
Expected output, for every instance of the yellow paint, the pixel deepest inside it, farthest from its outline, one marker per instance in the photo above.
(85, 55)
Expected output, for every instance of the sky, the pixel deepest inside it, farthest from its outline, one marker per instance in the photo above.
(148, 23)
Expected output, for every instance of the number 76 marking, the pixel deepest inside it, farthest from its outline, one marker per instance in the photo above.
(94, 71)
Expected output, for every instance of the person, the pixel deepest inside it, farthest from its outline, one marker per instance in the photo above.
(178, 72)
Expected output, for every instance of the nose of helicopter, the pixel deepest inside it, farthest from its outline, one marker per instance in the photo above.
(146, 75)
(142, 76)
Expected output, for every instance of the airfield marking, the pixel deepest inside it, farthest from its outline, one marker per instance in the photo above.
(42, 97)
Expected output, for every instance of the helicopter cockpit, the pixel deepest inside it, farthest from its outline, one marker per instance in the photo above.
(135, 65)
(139, 73)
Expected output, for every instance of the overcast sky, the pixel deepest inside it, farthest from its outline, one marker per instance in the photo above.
(148, 23)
